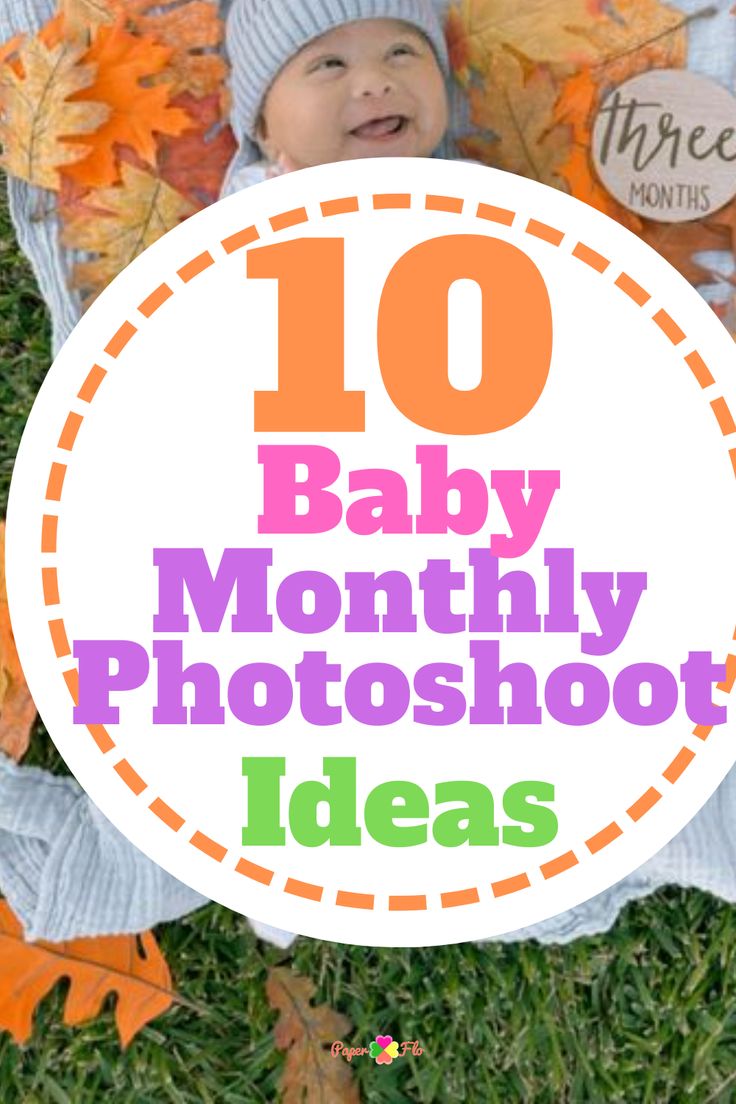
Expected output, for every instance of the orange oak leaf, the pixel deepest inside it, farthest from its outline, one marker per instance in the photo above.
(193, 31)
(311, 1075)
(131, 966)
(576, 107)
(140, 210)
(137, 112)
(17, 711)
(518, 112)
(37, 113)
(577, 103)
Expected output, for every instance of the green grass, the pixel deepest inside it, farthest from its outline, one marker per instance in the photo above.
(645, 1013)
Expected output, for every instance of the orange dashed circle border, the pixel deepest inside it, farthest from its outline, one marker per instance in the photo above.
(596, 262)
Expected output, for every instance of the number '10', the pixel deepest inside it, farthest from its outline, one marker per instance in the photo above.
(412, 335)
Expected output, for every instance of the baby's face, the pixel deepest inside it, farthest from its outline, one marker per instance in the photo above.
(371, 88)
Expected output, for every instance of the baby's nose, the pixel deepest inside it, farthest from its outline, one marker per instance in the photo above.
(373, 81)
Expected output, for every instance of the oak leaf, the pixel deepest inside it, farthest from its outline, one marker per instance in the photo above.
(36, 112)
(576, 107)
(90, 13)
(311, 1075)
(7, 49)
(194, 164)
(17, 711)
(193, 31)
(131, 966)
(518, 112)
(140, 210)
(137, 112)
(81, 16)
(53, 33)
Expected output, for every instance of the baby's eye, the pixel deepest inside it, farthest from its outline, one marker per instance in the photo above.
(401, 49)
(328, 63)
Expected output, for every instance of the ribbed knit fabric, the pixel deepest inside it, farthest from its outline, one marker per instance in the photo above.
(64, 868)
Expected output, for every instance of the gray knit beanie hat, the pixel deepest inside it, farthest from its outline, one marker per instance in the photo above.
(262, 35)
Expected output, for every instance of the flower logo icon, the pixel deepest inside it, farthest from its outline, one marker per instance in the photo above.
(384, 1050)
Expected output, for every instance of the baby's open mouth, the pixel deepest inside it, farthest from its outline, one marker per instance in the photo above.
(385, 127)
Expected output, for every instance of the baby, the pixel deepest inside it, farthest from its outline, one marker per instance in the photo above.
(313, 81)
(316, 81)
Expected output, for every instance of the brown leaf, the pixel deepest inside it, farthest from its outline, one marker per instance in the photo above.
(193, 31)
(37, 113)
(140, 211)
(311, 1075)
(95, 968)
(519, 113)
(193, 164)
(17, 711)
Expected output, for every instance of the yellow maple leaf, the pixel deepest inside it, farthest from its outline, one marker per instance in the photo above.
(538, 29)
(36, 113)
(518, 112)
(140, 211)
(639, 35)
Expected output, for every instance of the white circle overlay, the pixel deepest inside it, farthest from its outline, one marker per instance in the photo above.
(165, 456)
